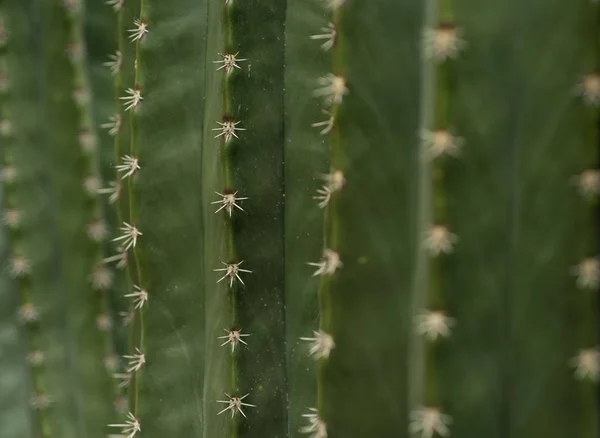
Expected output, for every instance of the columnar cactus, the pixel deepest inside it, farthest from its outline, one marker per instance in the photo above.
(324, 218)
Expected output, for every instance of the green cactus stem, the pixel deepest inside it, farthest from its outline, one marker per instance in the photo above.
(338, 218)
(32, 262)
(164, 204)
(363, 304)
(513, 365)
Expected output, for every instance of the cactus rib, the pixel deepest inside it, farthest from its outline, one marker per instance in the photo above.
(136, 358)
(226, 133)
(100, 277)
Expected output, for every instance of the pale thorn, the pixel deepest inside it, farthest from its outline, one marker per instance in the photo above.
(40, 401)
(228, 130)
(87, 141)
(113, 125)
(321, 345)
(587, 273)
(12, 218)
(91, 185)
(133, 98)
(441, 142)
(235, 405)
(5, 127)
(234, 337)
(330, 262)
(316, 427)
(333, 88)
(326, 124)
(335, 180)
(28, 313)
(140, 297)
(19, 266)
(587, 364)
(117, 5)
(125, 379)
(97, 230)
(81, 95)
(114, 62)
(135, 361)
(434, 324)
(131, 426)
(229, 62)
(126, 318)
(323, 196)
(442, 42)
(588, 182)
(111, 362)
(589, 89)
(36, 358)
(113, 189)
(8, 174)
(334, 4)
(329, 35)
(120, 258)
(129, 236)
(103, 322)
(228, 202)
(439, 240)
(138, 32)
(130, 166)
(429, 421)
(232, 271)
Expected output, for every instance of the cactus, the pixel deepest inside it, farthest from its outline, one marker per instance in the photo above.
(327, 218)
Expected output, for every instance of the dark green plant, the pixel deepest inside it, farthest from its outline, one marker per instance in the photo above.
(325, 218)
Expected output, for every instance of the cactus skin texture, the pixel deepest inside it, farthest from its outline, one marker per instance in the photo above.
(15, 418)
(514, 200)
(69, 390)
(335, 218)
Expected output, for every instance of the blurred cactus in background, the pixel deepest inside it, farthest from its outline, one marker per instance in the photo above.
(286, 218)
